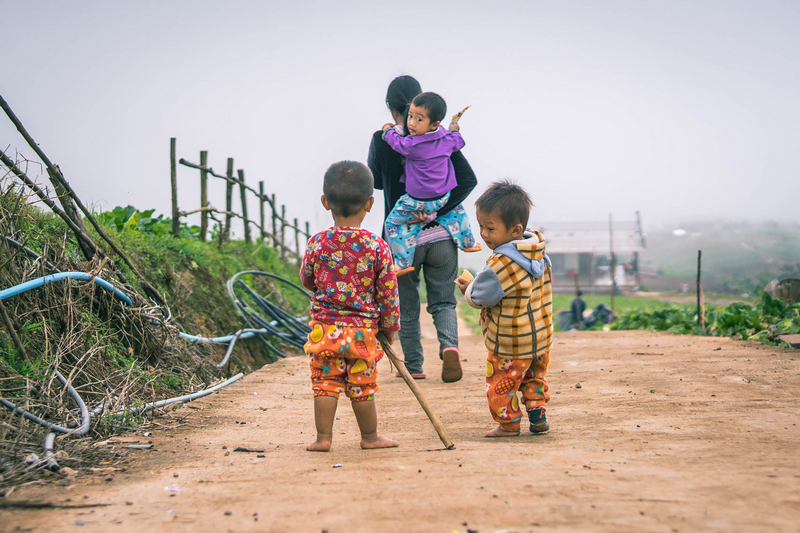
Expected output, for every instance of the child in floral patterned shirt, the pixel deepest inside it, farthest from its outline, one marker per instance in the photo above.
(355, 296)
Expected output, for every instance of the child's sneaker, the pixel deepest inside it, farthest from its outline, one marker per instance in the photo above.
(538, 420)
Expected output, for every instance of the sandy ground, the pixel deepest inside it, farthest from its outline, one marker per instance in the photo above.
(666, 433)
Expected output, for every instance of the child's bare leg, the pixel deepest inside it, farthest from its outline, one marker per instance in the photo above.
(367, 417)
(500, 432)
(324, 414)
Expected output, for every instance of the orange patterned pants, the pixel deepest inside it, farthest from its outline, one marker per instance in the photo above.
(343, 359)
(504, 377)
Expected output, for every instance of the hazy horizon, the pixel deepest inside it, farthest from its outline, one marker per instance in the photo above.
(683, 111)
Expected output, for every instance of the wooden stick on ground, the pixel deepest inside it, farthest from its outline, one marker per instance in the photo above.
(401, 367)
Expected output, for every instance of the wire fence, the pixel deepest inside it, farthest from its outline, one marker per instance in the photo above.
(280, 224)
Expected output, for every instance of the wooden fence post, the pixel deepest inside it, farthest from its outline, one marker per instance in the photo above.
(274, 223)
(700, 310)
(283, 231)
(261, 201)
(243, 194)
(228, 199)
(297, 242)
(612, 265)
(176, 226)
(203, 195)
(308, 232)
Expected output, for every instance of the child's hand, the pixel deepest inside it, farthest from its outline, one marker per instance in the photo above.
(462, 284)
(455, 119)
(464, 280)
(387, 126)
(389, 336)
(420, 216)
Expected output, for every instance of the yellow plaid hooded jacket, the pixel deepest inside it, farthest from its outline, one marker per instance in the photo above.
(515, 294)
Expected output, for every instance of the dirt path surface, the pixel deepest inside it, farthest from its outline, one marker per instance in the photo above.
(665, 433)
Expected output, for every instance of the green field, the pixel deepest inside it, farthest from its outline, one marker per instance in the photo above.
(561, 302)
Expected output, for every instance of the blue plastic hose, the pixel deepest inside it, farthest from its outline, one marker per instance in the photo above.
(44, 280)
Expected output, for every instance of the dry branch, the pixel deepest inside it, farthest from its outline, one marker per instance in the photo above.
(60, 182)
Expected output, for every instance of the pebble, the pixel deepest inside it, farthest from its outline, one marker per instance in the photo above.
(228, 512)
(79, 522)
(578, 385)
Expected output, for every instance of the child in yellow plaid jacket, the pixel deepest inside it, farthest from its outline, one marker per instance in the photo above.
(514, 293)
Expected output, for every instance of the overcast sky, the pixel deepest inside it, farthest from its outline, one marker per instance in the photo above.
(683, 110)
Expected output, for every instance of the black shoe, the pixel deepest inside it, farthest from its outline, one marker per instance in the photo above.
(538, 420)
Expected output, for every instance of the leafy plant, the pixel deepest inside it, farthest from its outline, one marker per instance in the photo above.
(764, 322)
(131, 219)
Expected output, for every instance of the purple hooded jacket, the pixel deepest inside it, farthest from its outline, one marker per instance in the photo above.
(429, 172)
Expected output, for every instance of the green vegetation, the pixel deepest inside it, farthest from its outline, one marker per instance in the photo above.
(622, 304)
(88, 326)
(763, 322)
(130, 218)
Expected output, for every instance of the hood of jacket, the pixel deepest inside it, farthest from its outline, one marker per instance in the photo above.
(526, 252)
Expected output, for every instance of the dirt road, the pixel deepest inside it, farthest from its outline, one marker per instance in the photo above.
(665, 433)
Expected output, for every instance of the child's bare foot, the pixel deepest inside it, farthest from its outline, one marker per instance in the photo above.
(322, 444)
(500, 432)
(379, 441)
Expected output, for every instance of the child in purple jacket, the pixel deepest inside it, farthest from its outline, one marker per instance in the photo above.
(429, 178)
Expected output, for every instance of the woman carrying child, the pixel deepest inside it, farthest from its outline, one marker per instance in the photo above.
(436, 253)
(429, 178)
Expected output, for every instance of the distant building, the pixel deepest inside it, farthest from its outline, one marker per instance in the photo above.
(581, 254)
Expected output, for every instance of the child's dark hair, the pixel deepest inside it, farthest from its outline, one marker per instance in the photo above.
(433, 104)
(401, 91)
(347, 187)
(508, 201)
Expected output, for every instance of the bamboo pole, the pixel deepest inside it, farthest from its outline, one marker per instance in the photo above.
(308, 231)
(229, 199)
(203, 195)
(401, 367)
(261, 201)
(243, 194)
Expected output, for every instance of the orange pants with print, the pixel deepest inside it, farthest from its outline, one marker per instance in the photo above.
(504, 377)
(343, 359)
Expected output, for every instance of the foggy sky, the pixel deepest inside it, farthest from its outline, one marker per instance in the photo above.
(681, 110)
